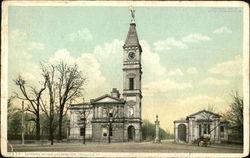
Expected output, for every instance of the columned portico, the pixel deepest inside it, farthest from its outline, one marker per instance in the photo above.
(201, 124)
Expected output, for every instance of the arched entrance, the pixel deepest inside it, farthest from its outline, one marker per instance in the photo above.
(182, 132)
(131, 133)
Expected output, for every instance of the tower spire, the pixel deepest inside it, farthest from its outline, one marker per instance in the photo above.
(132, 38)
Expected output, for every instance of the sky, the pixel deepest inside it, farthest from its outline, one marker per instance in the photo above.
(191, 59)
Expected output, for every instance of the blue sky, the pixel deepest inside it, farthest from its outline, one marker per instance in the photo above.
(192, 56)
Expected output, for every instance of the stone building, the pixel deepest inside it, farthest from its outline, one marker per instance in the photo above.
(201, 124)
(112, 115)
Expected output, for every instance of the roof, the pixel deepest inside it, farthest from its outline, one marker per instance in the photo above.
(211, 113)
(132, 38)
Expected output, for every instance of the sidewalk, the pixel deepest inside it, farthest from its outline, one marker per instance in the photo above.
(228, 146)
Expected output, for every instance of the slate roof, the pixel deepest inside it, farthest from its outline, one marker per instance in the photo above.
(132, 38)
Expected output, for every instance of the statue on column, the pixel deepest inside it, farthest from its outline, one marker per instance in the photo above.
(132, 10)
(157, 131)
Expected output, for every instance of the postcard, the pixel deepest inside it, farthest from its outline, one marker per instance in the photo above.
(124, 79)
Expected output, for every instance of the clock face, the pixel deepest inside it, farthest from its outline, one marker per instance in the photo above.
(131, 55)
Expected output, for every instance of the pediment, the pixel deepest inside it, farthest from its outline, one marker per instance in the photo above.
(204, 113)
(107, 99)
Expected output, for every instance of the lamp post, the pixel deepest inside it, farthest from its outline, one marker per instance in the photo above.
(22, 122)
(83, 122)
(110, 119)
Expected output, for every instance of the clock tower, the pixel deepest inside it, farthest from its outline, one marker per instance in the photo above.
(132, 72)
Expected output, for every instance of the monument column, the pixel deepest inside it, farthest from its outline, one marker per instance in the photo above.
(157, 130)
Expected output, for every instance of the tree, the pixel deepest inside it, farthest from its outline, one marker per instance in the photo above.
(111, 114)
(32, 96)
(70, 86)
(14, 120)
(84, 114)
(148, 132)
(48, 72)
(235, 116)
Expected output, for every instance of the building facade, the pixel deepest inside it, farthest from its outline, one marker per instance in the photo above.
(201, 124)
(114, 117)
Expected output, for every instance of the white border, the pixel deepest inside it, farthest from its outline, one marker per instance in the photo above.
(4, 75)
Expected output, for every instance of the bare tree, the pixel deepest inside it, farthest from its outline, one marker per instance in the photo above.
(84, 114)
(111, 114)
(207, 118)
(33, 96)
(48, 72)
(234, 116)
(70, 86)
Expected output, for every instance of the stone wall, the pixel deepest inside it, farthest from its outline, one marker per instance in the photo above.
(99, 130)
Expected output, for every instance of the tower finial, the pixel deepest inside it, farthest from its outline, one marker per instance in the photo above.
(132, 10)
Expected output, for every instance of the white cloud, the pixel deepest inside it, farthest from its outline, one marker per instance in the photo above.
(162, 86)
(198, 102)
(168, 44)
(35, 45)
(19, 40)
(195, 37)
(28, 76)
(228, 68)
(90, 67)
(192, 70)
(214, 81)
(82, 34)
(21, 60)
(151, 66)
(176, 72)
(222, 30)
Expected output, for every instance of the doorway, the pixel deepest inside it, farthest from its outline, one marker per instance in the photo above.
(182, 132)
(131, 133)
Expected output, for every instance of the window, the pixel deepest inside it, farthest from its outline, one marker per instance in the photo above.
(199, 130)
(221, 128)
(222, 131)
(205, 128)
(110, 114)
(131, 83)
(82, 131)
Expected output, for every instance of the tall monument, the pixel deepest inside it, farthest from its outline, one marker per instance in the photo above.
(157, 130)
(132, 72)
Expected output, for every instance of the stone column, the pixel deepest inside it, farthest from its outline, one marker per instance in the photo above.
(175, 134)
(217, 131)
(157, 131)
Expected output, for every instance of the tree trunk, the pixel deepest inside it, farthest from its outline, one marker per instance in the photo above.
(38, 127)
(51, 132)
(37, 124)
(109, 132)
(84, 130)
(60, 125)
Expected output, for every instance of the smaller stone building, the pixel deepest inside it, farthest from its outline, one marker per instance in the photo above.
(201, 124)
